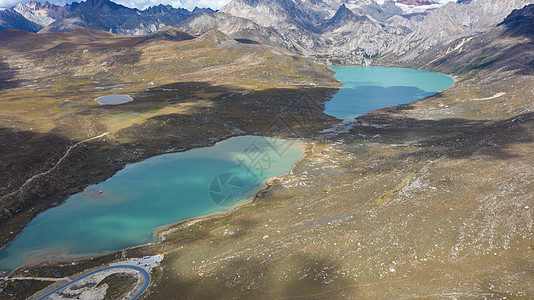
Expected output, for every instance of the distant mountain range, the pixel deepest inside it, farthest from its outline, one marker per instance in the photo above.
(331, 31)
(109, 16)
(99, 14)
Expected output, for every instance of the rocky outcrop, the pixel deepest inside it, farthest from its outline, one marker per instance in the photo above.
(169, 33)
(520, 22)
(343, 17)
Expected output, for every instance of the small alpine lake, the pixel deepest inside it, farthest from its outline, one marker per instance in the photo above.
(113, 99)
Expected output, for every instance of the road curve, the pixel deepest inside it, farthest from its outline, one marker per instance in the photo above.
(146, 280)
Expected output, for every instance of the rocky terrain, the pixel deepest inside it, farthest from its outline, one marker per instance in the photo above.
(238, 28)
(98, 14)
(454, 21)
(12, 19)
(120, 19)
(333, 32)
(44, 13)
(354, 32)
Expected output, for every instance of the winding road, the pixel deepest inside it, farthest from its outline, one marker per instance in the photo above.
(146, 280)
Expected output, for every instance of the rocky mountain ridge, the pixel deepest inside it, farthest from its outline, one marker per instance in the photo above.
(9, 18)
(34, 15)
(363, 32)
(99, 14)
(333, 32)
(452, 22)
(42, 13)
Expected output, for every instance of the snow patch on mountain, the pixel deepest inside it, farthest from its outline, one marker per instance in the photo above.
(410, 9)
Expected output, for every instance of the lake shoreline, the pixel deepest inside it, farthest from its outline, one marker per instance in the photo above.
(267, 184)
(158, 231)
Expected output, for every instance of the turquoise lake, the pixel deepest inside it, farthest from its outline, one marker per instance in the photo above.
(126, 209)
(369, 88)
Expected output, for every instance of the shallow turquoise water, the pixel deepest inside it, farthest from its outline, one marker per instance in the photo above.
(155, 192)
(369, 88)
